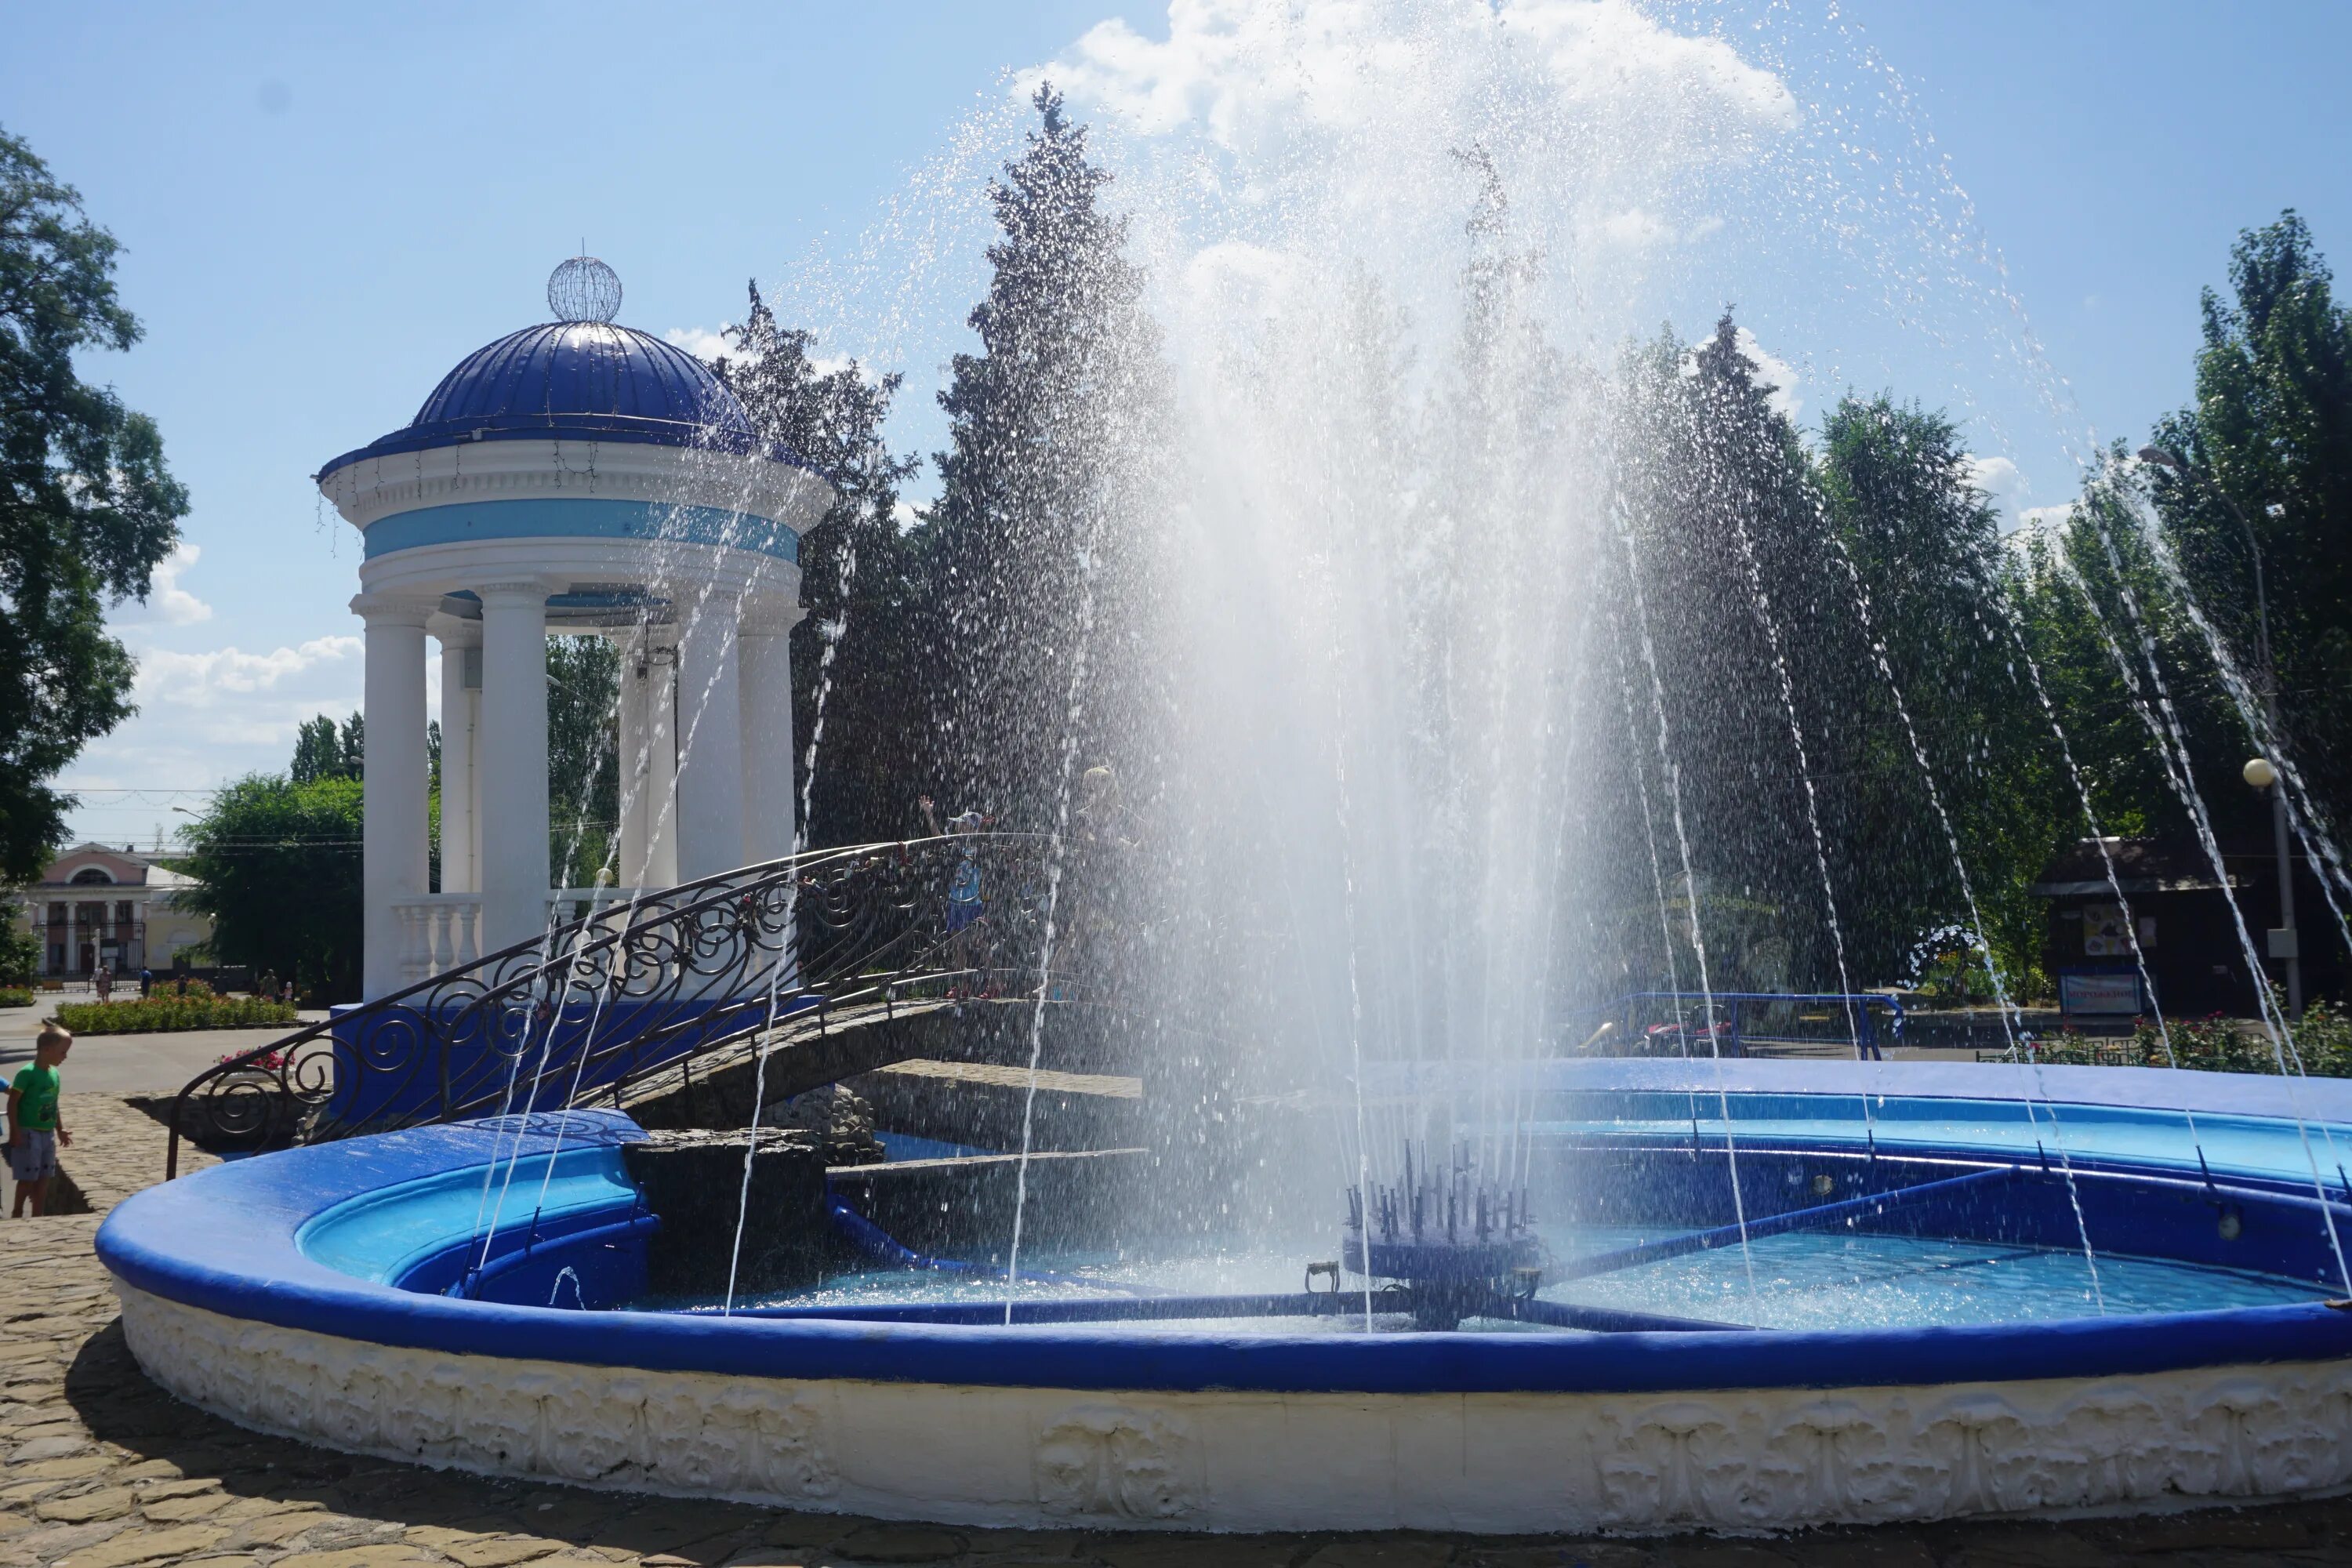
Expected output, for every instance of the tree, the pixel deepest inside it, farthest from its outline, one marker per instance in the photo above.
(1048, 426)
(2271, 431)
(276, 868)
(88, 508)
(583, 770)
(1752, 634)
(20, 954)
(1925, 544)
(318, 752)
(859, 642)
(323, 750)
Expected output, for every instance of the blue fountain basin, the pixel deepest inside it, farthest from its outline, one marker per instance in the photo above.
(306, 1292)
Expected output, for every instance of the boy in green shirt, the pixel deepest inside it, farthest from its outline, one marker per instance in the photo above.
(35, 1129)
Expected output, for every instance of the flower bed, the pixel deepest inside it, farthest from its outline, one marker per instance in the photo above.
(15, 996)
(161, 1015)
(2322, 1045)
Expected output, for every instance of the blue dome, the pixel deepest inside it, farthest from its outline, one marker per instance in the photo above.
(585, 379)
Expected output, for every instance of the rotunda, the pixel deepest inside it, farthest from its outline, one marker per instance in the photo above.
(574, 477)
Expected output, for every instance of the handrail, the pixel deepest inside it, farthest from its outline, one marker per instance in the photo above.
(1865, 1028)
(633, 985)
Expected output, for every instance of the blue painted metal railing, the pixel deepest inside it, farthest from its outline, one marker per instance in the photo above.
(1678, 1022)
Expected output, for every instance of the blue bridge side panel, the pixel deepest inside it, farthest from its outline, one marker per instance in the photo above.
(405, 1065)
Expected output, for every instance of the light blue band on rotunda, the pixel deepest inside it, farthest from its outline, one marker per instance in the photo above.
(652, 522)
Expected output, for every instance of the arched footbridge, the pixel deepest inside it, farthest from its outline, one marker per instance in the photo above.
(826, 964)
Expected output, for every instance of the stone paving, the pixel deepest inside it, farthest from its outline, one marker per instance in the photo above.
(102, 1470)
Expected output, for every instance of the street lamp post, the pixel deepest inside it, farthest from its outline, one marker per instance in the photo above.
(2260, 771)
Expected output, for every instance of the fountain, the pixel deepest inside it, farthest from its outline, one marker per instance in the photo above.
(1490, 681)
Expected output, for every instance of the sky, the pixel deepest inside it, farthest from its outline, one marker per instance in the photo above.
(322, 208)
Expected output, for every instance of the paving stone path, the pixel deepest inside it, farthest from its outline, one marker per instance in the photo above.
(98, 1469)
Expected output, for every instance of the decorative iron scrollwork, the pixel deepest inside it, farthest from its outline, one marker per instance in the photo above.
(599, 1002)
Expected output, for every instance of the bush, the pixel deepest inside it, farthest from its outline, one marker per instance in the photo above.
(2323, 1044)
(15, 996)
(192, 989)
(20, 955)
(163, 1015)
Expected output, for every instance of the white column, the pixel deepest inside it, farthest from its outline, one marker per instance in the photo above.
(766, 663)
(661, 770)
(711, 750)
(393, 839)
(511, 762)
(636, 761)
(461, 643)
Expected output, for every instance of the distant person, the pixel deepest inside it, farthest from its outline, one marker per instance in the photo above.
(35, 1126)
(266, 986)
(146, 979)
(104, 984)
(967, 897)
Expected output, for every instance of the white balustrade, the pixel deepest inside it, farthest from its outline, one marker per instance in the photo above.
(438, 932)
(441, 932)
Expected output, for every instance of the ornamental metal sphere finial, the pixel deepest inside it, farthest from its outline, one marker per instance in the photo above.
(584, 290)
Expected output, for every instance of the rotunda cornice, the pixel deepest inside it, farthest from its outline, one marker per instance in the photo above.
(373, 488)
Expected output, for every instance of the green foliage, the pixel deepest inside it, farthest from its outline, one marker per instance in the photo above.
(583, 776)
(1035, 471)
(161, 1015)
(15, 996)
(20, 954)
(2321, 1042)
(1925, 544)
(861, 639)
(88, 508)
(324, 750)
(1730, 549)
(2268, 445)
(276, 866)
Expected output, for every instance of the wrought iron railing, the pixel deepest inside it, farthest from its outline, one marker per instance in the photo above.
(1738, 1023)
(824, 939)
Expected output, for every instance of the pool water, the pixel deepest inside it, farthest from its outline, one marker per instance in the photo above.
(1849, 1279)
(1844, 1279)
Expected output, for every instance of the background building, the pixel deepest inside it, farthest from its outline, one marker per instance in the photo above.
(96, 904)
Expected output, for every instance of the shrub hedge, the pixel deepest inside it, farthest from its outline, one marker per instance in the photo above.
(160, 1015)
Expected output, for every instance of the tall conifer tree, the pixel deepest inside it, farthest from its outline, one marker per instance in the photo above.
(858, 644)
(1030, 562)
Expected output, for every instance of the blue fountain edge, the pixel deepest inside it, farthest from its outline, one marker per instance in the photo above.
(224, 1240)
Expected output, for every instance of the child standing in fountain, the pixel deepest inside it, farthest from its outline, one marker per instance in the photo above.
(35, 1126)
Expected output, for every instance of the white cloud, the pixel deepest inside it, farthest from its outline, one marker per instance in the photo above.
(1636, 230)
(1243, 70)
(1997, 478)
(1771, 368)
(203, 679)
(172, 602)
(227, 696)
(701, 342)
(207, 717)
(2045, 517)
(706, 345)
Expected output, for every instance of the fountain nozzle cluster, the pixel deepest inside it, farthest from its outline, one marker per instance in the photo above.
(1456, 1242)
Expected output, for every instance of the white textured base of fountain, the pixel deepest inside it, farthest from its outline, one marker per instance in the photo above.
(1502, 1463)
